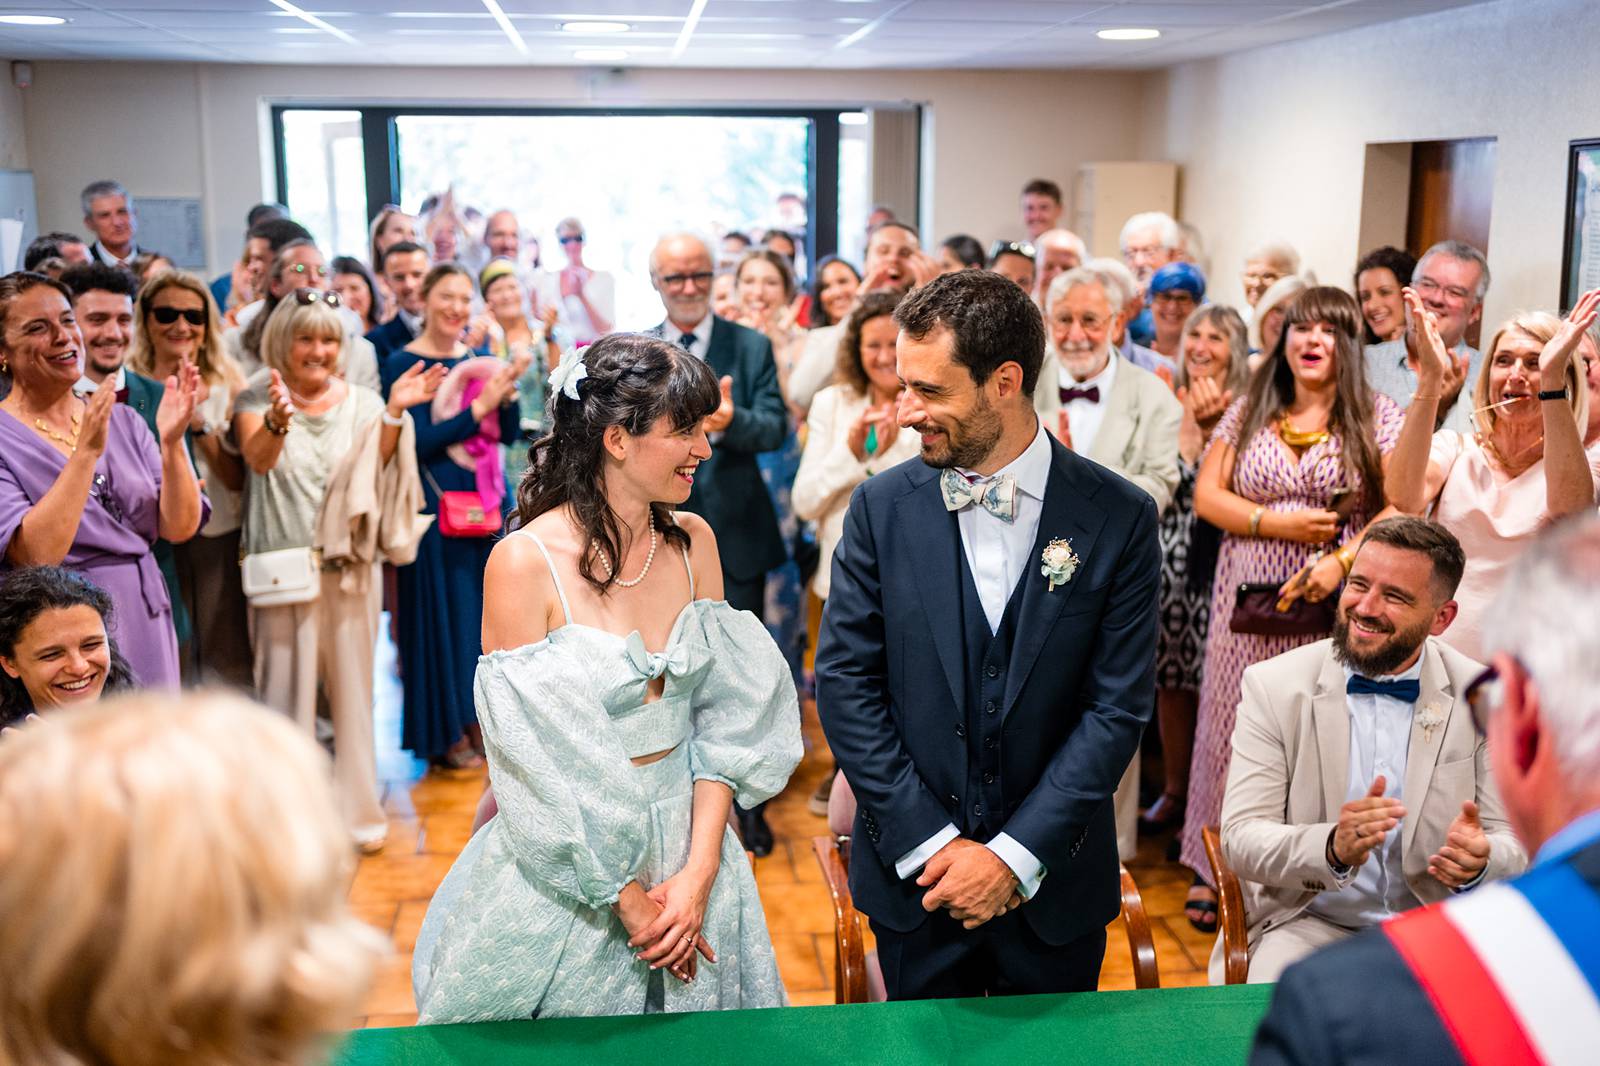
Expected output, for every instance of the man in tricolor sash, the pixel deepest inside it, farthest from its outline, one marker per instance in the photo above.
(1508, 974)
(1358, 787)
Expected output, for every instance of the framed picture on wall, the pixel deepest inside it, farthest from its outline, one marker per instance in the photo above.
(1580, 255)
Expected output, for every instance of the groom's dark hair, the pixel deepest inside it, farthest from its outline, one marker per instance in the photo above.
(991, 319)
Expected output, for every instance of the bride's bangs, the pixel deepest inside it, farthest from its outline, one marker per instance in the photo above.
(691, 392)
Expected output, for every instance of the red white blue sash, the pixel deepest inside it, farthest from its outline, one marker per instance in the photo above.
(1513, 969)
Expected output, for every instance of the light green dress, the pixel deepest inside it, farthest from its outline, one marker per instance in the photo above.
(522, 925)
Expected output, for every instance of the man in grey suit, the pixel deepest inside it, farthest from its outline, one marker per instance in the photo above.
(728, 490)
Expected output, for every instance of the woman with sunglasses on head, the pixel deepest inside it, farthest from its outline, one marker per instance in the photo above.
(1524, 468)
(83, 482)
(178, 324)
(314, 445)
(458, 442)
(587, 297)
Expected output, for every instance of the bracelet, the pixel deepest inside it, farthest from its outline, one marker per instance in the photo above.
(1346, 557)
(275, 430)
(1554, 394)
(1255, 521)
(395, 420)
(1419, 396)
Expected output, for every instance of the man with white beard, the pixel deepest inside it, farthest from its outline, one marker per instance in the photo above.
(1106, 409)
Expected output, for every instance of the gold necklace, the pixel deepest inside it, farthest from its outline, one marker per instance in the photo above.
(1295, 438)
(71, 442)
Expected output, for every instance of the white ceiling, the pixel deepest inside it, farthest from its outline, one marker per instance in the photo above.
(854, 34)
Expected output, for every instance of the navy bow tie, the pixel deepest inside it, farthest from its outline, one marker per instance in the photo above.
(1404, 691)
(1092, 394)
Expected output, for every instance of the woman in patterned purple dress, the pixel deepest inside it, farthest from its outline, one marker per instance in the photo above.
(1307, 435)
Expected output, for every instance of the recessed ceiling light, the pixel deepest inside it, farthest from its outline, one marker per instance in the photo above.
(33, 20)
(1129, 34)
(596, 27)
(599, 55)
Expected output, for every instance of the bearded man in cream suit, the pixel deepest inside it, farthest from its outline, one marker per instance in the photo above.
(1360, 786)
(1107, 410)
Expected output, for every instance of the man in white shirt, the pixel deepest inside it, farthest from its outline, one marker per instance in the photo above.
(983, 706)
(108, 213)
(1359, 786)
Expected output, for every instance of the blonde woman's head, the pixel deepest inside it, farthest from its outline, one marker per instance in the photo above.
(172, 884)
(304, 340)
(1510, 372)
(177, 319)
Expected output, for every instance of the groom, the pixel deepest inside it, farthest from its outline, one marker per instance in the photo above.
(983, 711)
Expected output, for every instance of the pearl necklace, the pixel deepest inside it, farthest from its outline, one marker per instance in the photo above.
(605, 564)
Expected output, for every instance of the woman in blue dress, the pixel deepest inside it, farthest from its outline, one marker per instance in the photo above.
(624, 706)
(441, 594)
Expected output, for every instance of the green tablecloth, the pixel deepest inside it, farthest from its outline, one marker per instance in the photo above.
(1159, 1027)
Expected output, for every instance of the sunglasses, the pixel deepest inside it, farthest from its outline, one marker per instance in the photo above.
(307, 297)
(1483, 695)
(576, 238)
(999, 248)
(168, 315)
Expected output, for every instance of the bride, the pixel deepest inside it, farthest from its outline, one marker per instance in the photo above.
(624, 707)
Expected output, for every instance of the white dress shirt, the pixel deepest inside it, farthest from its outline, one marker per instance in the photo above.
(1084, 418)
(701, 347)
(1380, 739)
(999, 554)
(86, 386)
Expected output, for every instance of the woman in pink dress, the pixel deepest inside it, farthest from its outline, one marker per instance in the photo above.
(1524, 468)
(1294, 468)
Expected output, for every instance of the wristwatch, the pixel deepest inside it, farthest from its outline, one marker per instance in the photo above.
(1563, 393)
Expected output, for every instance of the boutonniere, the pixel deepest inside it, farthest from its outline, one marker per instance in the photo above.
(1430, 718)
(1060, 561)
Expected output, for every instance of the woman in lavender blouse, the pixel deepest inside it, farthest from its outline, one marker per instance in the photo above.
(83, 484)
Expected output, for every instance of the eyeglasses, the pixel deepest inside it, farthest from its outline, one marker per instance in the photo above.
(301, 268)
(168, 315)
(1454, 293)
(678, 281)
(576, 238)
(1483, 694)
(1267, 278)
(999, 248)
(307, 297)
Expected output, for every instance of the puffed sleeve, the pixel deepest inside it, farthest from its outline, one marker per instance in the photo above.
(569, 807)
(745, 729)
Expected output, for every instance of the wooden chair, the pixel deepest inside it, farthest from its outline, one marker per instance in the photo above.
(849, 941)
(1230, 911)
(851, 964)
(1141, 944)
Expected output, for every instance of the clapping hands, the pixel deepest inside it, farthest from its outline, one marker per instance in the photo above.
(1465, 852)
(1557, 355)
(1364, 824)
(178, 401)
(881, 417)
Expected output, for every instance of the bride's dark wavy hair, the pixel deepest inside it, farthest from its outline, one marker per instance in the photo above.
(632, 381)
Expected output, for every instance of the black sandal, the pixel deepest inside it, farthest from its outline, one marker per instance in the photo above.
(1207, 908)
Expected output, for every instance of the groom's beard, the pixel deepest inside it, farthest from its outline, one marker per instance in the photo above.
(966, 444)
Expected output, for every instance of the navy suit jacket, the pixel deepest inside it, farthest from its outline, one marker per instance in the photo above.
(728, 490)
(1357, 1002)
(1080, 686)
(390, 337)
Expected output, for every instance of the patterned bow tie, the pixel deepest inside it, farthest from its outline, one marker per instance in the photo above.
(1092, 394)
(675, 660)
(1404, 691)
(998, 495)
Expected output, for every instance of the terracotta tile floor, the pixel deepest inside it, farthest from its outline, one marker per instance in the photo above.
(430, 817)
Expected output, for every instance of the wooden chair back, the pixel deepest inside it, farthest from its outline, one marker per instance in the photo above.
(849, 942)
(1230, 911)
(1141, 944)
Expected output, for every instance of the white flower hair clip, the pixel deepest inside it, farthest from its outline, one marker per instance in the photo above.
(565, 377)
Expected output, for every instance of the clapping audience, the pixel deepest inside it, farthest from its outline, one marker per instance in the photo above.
(1318, 676)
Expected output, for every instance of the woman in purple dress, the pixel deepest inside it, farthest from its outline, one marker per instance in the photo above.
(83, 484)
(1292, 476)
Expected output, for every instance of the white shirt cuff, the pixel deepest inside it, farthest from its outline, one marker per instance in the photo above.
(1029, 870)
(912, 861)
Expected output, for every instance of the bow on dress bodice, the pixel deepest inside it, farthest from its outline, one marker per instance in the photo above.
(676, 660)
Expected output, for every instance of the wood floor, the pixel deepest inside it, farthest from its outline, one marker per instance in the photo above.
(430, 818)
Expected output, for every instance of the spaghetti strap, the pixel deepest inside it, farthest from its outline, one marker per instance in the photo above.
(690, 570)
(549, 562)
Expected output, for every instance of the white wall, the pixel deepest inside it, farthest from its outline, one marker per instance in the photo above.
(1272, 141)
(201, 130)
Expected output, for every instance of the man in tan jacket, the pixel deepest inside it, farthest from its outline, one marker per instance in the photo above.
(1106, 409)
(1359, 786)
